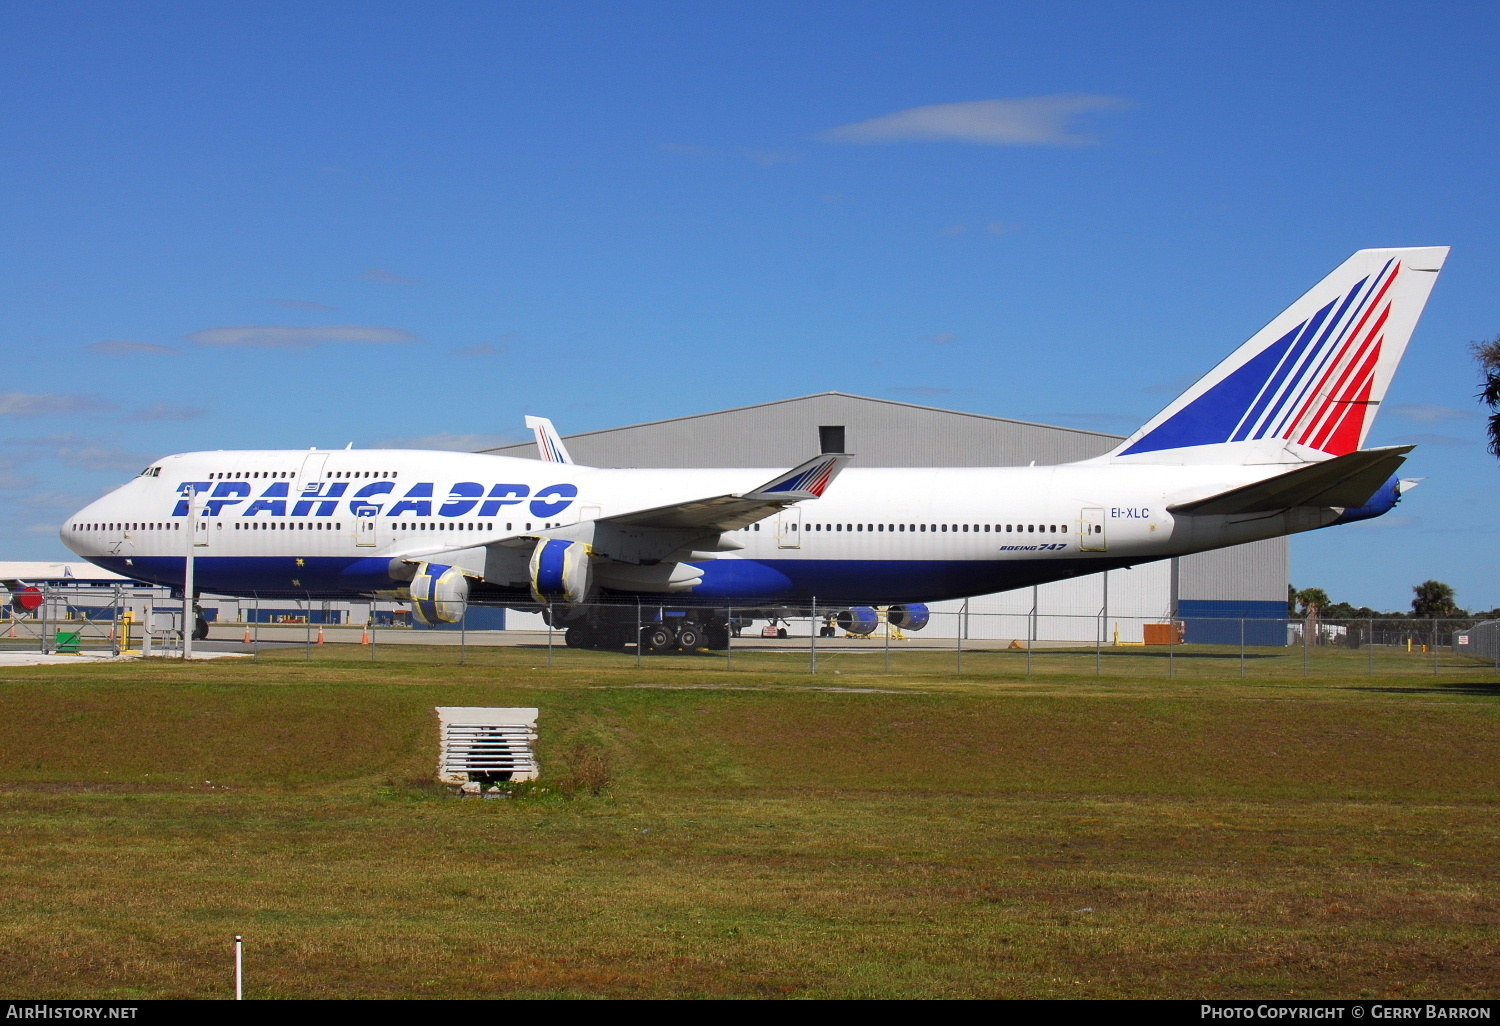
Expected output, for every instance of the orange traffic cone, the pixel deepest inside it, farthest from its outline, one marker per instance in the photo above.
(248, 638)
(12, 632)
(364, 639)
(320, 636)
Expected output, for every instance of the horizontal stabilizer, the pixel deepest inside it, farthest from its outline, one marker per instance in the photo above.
(731, 512)
(1347, 481)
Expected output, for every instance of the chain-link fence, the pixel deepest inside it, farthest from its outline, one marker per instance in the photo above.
(833, 640)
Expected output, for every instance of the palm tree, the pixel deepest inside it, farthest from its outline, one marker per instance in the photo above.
(1488, 356)
(1434, 600)
(1313, 600)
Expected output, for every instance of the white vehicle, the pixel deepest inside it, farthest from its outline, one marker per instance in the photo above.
(1268, 443)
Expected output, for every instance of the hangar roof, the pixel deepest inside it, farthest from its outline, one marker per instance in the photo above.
(880, 432)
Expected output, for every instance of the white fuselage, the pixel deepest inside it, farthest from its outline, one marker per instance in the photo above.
(332, 523)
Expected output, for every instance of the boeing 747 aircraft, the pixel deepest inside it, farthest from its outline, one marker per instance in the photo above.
(1267, 443)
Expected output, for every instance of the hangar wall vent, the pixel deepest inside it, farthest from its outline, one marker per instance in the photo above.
(486, 745)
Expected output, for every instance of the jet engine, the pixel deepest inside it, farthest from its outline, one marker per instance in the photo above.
(439, 594)
(861, 620)
(908, 618)
(561, 571)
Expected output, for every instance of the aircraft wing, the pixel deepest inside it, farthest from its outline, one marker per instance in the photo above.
(730, 512)
(1348, 481)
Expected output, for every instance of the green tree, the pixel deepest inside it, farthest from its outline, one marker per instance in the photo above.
(1309, 598)
(1434, 599)
(1488, 356)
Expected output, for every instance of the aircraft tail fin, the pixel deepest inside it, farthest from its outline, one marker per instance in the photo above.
(1307, 386)
(549, 444)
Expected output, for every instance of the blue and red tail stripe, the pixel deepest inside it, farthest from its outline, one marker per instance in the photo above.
(1312, 386)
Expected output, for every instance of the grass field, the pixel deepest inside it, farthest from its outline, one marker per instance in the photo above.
(764, 832)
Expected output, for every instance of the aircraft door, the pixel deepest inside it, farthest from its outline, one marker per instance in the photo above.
(364, 530)
(789, 529)
(200, 530)
(1091, 530)
(312, 470)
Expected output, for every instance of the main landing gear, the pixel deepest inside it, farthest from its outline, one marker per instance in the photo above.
(671, 635)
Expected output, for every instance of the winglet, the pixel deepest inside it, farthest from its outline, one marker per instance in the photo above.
(547, 441)
(805, 481)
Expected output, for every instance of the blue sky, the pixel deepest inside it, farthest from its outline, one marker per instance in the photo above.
(274, 224)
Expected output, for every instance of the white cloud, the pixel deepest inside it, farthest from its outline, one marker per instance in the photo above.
(1426, 414)
(42, 404)
(127, 347)
(84, 452)
(1027, 121)
(450, 442)
(769, 158)
(302, 304)
(161, 411)
(1430, 439)
(385, 277)
(280, 336)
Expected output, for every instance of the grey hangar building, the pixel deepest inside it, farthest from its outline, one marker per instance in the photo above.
(1215, 594)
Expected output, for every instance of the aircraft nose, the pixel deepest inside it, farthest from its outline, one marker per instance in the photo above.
(72, 533)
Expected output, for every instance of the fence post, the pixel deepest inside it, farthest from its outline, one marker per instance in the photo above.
(463, 637)
(255, 638)
(1306, 642)
(888, 640)
(1030, 631)
(638, 645)
(1370, 656)
(1435, 648)
(307, 634)
(813, 635)
(729, 639)
(549, 637)
(1172, 649)
(963, 622)
(374, 623)
(1242, 646)
(1103, 626)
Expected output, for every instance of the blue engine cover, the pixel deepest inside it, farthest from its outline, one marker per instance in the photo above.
(860, 620)
(908, 618)
(1380, 503)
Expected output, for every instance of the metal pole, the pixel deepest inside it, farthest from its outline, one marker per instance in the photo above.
(1370, 656)
(1031, 630)
(188, 620)
(963, 623)
(307, 622)
(638, 633)
(1172, 648)
(887, 639)
(46, 612)
(1242, 646)
(1435, 648)
(463, 637)
(813, 636)
(119, 642)
(729, 638)
(1103, 626)
(255, 638)
(549, 637)
(374, 604)
(1306, 643)
(239, 968)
